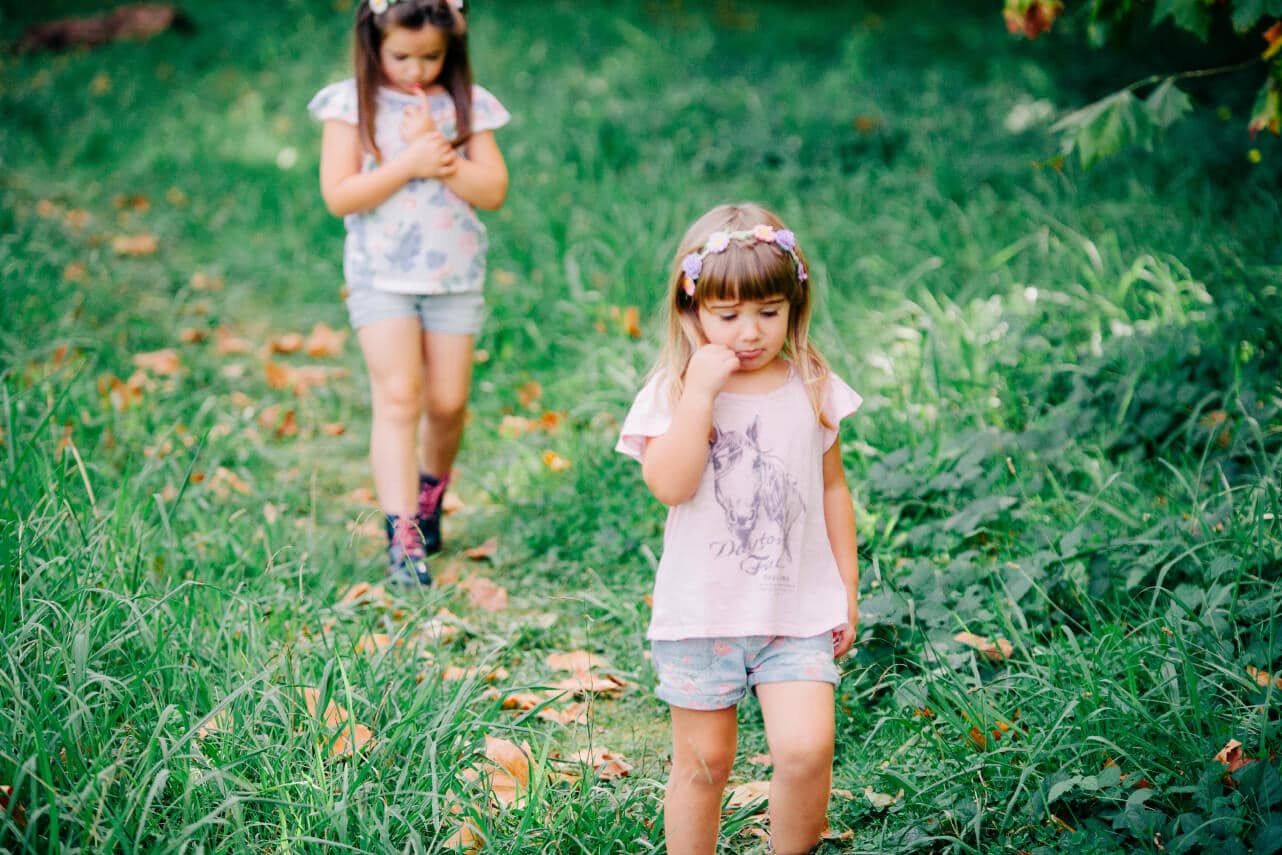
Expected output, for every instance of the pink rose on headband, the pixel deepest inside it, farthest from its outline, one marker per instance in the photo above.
(764, 233)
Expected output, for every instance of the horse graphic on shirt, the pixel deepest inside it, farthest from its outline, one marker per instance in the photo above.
(760, 499)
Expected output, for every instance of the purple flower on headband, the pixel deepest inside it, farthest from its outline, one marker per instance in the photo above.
(692, 265)
(717, 242)
(802, 275)
(787, 240)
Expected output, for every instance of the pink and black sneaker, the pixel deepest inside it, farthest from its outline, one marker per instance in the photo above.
(431, 492)
(406, 555)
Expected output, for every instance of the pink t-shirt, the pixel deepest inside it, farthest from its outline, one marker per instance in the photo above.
(749, 553)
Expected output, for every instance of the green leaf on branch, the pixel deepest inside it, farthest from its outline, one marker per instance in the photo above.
(1247, 13)
(1167, 103)
(1191, 15)
(1105, 127)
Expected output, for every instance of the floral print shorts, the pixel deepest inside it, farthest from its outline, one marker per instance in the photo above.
(715, 673)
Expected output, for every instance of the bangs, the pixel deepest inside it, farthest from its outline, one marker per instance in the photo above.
(749, 271)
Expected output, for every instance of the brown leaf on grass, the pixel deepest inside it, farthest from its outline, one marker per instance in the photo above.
(483, 552)
(281, 423)
(833, 834)
(333, 428)
(122, 394)
(1231, 756)
(270, 513)
(745, 794)
(604, 762)
(445, 626)
(1263, 678)
(192, 335)
(467, 838)
(75, 272)
(227, 343)
(515, 426)
(506, 769)
(77, 218)
(225, 481)
(376, 642)
(632, 321)
(220, 722)
(551, 420)
(290, 342)
(201, 281)
(760, 760)
(578, 661)
(453, 673)
(324, 341)
(365, 594)
(485, 593)
(555, 462)
(163, 361)
(520, 701)
(529, 393)
(299, 379)
(361, 496)
(451, 503)
(881, 801)
(10, 805)
(135, 245)
(995, 651)
(584, 683)
(575, 713)
(352, 736)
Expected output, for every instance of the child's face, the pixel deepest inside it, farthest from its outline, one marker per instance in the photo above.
(756, 330)
(412, 59)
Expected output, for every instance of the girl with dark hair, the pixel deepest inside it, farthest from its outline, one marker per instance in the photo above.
(408, 154)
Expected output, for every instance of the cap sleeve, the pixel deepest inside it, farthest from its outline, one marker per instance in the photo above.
(487, 113)
(650, 416)
(335, 102)
(839, 401)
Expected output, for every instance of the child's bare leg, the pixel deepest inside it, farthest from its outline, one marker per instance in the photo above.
(392, 349)
(799, 730)
(703, 748)
(448, 379)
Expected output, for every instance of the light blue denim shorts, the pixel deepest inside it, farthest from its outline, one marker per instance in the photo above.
(460, 314)
(715, 673)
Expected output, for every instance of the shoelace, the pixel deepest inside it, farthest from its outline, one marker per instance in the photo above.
(408, 538)
(430, 495)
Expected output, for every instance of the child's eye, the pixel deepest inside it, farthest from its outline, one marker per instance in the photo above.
(400, 57)
(727, 318)
(770, 313)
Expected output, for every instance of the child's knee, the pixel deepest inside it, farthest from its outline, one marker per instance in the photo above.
(703, 767)
(802, 757)
(399, 396)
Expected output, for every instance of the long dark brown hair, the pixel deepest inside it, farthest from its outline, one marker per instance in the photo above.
(456, 73)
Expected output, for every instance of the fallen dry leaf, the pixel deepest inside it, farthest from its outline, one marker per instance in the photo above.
(75, 272)
(352, 735)
(555, 462)
(226, 342)
(201, 281)
(333, 428)
(485, 593)
(604, 762)
(451, 503)
(506, 768)
(745, 794)
(578, 661)
(324, 341)
(365, 594)
(529, 393)
(375, 642)
(1231, 756)
(467, 838)
(136, 245)
(1263, 678)
(290, 342)
(163, 361)
(225, 480)
(489, 675)
(632, 321)
(575, 713)
(581, 683)
(192, 335)
(880, 801)
(995, 651)
(10, 805)
(483, 552)
(515, 426)
(220, 722)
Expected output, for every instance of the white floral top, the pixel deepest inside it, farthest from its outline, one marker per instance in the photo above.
(423, 239)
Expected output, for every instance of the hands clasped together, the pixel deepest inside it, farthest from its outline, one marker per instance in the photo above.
(429, 154)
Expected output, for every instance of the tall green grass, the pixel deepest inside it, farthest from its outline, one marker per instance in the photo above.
(1070, 441)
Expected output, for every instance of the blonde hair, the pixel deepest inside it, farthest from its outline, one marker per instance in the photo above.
(746, 270)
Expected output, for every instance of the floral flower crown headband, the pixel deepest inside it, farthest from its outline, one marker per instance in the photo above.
(692, 264)
(378, 7)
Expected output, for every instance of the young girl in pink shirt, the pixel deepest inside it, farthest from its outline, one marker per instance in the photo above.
(757, 589)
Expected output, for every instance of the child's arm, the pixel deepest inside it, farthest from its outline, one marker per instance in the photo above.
(347, 190)
(839, 519)
(481, 179)
(673, 463)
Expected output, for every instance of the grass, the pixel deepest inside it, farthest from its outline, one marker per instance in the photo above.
(1071, 439)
